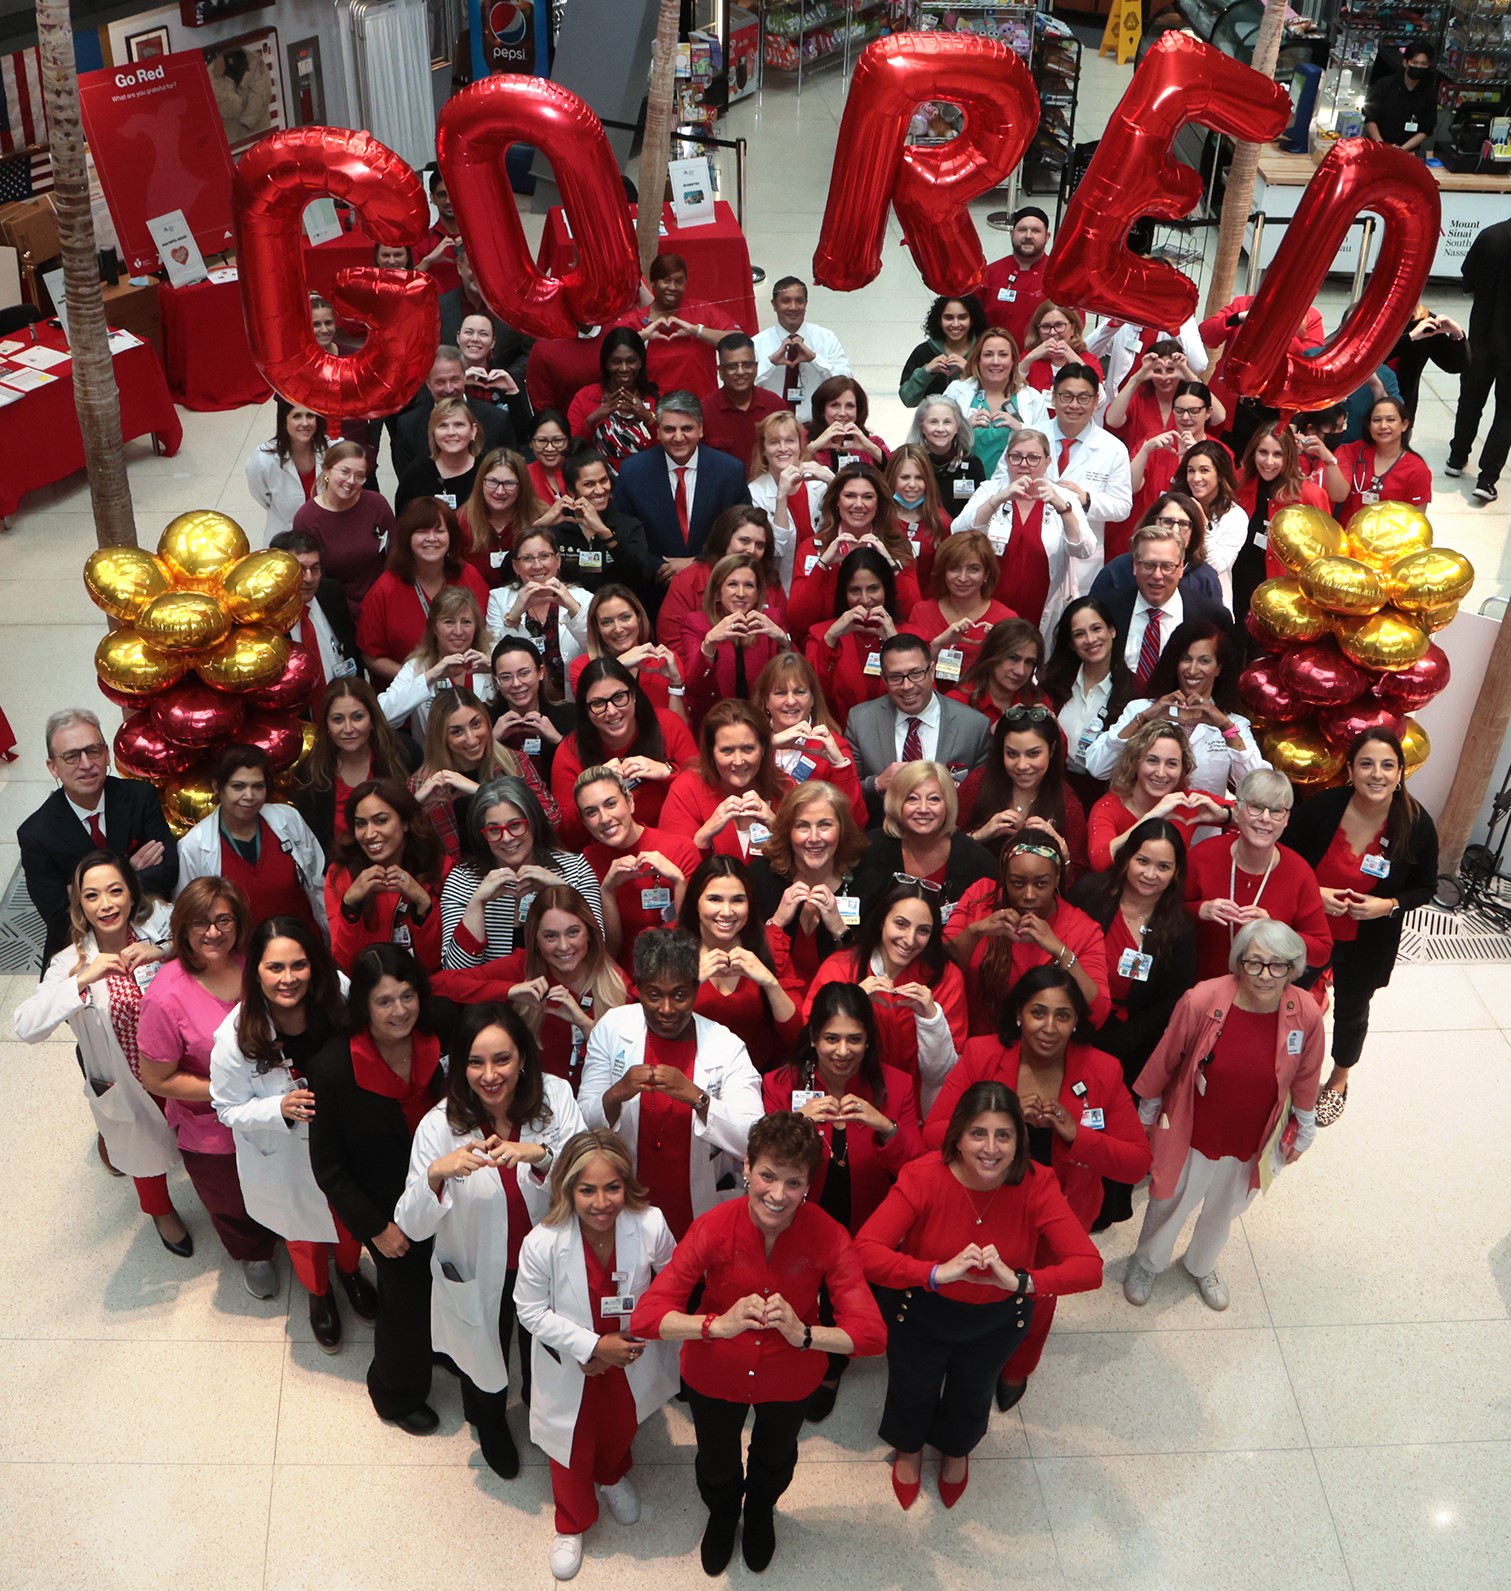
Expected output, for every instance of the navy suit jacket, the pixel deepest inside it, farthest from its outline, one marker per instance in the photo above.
(644, 490)
(52, 841)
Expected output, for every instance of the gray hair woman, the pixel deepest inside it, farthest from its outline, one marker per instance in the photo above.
(509, 852)
(1229, 1098)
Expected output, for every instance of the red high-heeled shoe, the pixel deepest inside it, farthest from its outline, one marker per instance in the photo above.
(907, 1491)
(950, 1492)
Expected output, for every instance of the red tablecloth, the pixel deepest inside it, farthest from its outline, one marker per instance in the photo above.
(718, 261)
(321, 264)
(39, 435)
(205, 350)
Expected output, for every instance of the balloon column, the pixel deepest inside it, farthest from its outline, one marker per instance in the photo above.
(1347, 635)
(202, 659)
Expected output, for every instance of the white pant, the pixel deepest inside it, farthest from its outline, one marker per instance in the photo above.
(1220, 1189)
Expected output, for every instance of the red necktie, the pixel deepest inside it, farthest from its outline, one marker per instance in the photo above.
(682, 502)
(1066, 443)
(97, 831)
(310, 642)
(912, 744)
(1148, 652)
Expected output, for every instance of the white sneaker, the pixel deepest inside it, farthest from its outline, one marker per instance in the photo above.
(566, 1556)
(260, 1278)
(1213, 1290)
(623, 1501)
(1138, 1283)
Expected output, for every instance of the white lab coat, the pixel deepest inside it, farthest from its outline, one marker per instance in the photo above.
(199, 854)
(571, 633)
(139, 1141)
(277, 487)
(1217, 764)
(1118, 349)
(469, 1220)
(410, 694)
(1225, 538)
(722, 1067)
(551, 1299)
(763, 494)
(1029, 404)
(829, 359)
(1068, 550)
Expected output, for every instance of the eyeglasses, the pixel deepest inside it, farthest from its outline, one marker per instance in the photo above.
(71, 759)
(1260, 811)
(1026, 459)
(1053, 328)
(1074, 400)
(507, 484)
(1158, 568)
(737, 364)
(923, 883)
(1027, 715)
(599, 705)
(912, 676)
(512, 830)
(1173, 522)
(1269, 969)
(222, 924)
(1189, 413)
(548, 444)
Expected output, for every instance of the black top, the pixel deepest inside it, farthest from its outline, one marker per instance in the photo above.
(409, 436)
(627, 562)
(967, 865)
(318, 807)
(769, 887)
(1487, 275)
(957, 483)
(1310, 832)
(1401, 111)
(563, 718)
(1409, 359)
(423, 479)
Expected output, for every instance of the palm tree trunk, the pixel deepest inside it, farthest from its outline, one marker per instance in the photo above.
(1238, 194)
(94, 388)
(655, 147)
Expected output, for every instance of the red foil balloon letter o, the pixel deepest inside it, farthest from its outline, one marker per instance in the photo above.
(476, 128)
(1355, 175)
(276, 178)
(929, 188)
(1133, 174)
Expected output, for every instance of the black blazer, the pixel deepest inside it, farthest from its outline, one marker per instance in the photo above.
(644, 490)
(969, 863)
(410, 441)
(359, 1142)
(1195, 606)
(52, 840)
(331, 599)
(318, 807)
(562, 716)
(1309, 833)
(511, 349)
(1151, 1003)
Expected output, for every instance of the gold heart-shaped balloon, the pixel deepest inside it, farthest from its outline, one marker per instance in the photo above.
(123, 659)
(1387, 639)
(248, 657)
(123, 580)
(256, 587)
(1343, 585)
(1286, 611)
(1383, 533)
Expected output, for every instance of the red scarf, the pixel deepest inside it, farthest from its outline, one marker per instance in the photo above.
(374, 1074)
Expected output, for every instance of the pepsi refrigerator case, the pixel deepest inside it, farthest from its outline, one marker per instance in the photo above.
(509, 36)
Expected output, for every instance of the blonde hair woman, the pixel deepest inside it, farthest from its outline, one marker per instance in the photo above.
(452, 651)
(789, 487)
(350, 524)
(1150, 782)
(449, 472)
(992, 397)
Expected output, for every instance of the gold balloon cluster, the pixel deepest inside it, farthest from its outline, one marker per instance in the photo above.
(203, 610)
(1380, 589)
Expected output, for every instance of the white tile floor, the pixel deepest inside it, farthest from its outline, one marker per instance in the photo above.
(1346, 1423)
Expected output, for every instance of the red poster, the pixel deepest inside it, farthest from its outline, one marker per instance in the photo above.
(158, 145)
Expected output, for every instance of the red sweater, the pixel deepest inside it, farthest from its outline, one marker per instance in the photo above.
(874, 1165)
(930, 1215)
(635, 918)
(1093, 1081)
(691, 802)
(649, 794)
(381, 921)
(1290, 896)
(812, 601)
(726, 1251)
(746, 1012)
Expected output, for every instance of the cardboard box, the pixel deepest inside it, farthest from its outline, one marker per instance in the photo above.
(30, 226)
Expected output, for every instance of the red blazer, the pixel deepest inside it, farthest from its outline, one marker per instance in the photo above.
(711, 679)
(1312, 496)
(684, 597)
(1093, 1081)
(649, 795)
(690, 803)
(1077, 931)
(380, 922)
(873, 1164)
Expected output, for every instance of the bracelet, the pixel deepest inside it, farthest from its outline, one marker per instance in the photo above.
(933, 1282)
(1232, 732)
(676, 690)
(1065, 966)
(807, 1338)
(708, 1321)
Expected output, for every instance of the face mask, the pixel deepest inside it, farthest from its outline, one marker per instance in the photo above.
(907, 502)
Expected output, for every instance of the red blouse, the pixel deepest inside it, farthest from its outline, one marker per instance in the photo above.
(391, 621)
(926, 619)
(746, 1012)
(726, 1251)
(1109, 818)
(634, 916)
(1342, 867)
(841, 669)
(386, 918)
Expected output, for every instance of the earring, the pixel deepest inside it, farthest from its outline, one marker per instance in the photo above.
(745, 1183)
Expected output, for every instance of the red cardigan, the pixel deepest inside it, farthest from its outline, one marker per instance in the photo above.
(380, 922)
(874, 1165)
(1072, 926)
(691, 802)
(724, 1250)
(929, 1216)
(649, 794)
(1093, 1081)
(1290, 896)
(712, 679)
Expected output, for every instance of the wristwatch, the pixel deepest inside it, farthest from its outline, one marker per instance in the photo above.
(702, 1102)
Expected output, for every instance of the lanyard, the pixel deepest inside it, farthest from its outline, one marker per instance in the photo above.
(419, 591)
(1233, 884)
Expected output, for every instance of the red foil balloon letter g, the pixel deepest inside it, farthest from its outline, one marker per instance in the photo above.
(476, 128)
(1133, 174)
(929, 188)
(276, 179)
(1355, 175)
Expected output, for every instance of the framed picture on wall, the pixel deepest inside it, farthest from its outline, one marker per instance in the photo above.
(201, 13)
(306, 85)
(147, 46)
(246, 79)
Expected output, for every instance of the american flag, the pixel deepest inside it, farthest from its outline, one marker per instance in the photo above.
(25, 165)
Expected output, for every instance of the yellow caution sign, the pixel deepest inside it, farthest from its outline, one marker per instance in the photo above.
(1125, 27)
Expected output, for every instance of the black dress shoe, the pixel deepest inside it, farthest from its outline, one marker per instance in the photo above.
(418, 1422)
(360, 1294)
(184, 1247)
(325, 1322)
(1010, 1394)
(499, 1451)
(719, 1541)
(758, 1539)
(821, 1403)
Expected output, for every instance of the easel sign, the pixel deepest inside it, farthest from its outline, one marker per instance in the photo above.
(692, 191)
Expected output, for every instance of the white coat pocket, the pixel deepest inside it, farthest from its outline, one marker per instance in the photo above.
(110, 1107)
(461, 1301)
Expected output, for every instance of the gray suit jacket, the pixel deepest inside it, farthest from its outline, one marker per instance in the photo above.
(965, 738)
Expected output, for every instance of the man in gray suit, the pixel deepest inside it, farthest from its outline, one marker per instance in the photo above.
(912, 721)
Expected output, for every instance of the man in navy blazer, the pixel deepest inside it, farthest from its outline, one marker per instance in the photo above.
(647, 486)
(127, 813)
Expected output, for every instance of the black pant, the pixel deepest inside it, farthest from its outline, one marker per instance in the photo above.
(1351, 997)
(488, 1408)
(943, 1362)
(398, 1379)
(1486, 374)
(773, 1451)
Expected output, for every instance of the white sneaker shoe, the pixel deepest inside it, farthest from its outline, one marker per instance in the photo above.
(1213, 1290)
(260, 1278)
(566, 1556)
(1138, 1283)
(623, 1501)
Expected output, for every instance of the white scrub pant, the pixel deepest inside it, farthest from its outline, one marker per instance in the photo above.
(1220, 1189)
